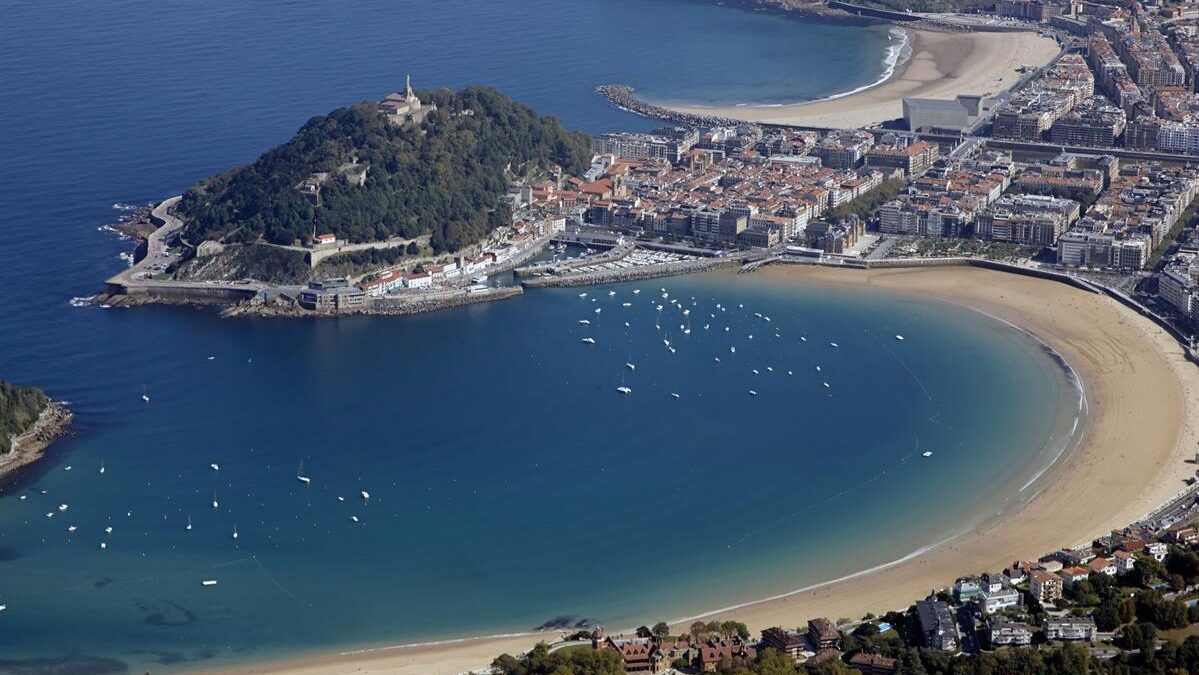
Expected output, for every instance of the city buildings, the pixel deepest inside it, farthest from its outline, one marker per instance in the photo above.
(332, 295)
(1094, 122)
(844, 149)
(928, 114)
(1033, 220)
(911, 157)
(1130, 218)
(669, 143)
(947, 198)
(1178, 285)
(1030, 112)
(742, 199)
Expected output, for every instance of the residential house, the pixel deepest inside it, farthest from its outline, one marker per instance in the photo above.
(785, 641)
(1124, 561)
(822, 634)
(1102, 565)
(712, 652)
(1072, 575)
(1070, 628)
(1157, 550)
(967, 589)
(994, 601)
(1046, 587)
(1002, 631)
(938, 628)
(872, 664)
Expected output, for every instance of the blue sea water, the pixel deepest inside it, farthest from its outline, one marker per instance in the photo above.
(509, 483)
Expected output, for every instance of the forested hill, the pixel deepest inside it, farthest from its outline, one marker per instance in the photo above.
(445, 177)
(19, 409)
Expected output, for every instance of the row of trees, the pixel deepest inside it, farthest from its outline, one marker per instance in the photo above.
(446, 177)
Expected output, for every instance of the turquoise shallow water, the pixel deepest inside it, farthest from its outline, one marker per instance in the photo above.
(509, 482)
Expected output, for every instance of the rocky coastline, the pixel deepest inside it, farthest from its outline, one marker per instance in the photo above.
(53, 423)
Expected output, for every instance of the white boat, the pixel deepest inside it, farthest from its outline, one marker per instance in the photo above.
(68, 468)
(598, 310)
(584, 322)
(717, 359)
(834, 345)
(300, 474)
(927, 453)
(752, 392)
(215, 503)
(481, 279)
(189, 523)
(624, 390)
(108, 530)
(365, 495)
(211, 358)
(582, 295)
(235, 531)
(214, 466)
(755, 371)
(70, 528)
(769, 369)
(626, 304)
(790, 373)
(208, 582)
(630, 366)
(899, 337)
(589, 340)
(802, 339)
(354, 518)
(101, 466)
(3, 607)
(673, 395)
(103, 545)
(636, 291)
(825, 385)
(63, 507)
(672, 349)
(818, 369)
(611, 293)
(732, 350)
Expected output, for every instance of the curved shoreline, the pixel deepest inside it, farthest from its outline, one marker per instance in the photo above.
(894, 64)
(940, 66)
(1094, 487)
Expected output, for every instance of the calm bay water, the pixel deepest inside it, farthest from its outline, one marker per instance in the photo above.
(509, 483)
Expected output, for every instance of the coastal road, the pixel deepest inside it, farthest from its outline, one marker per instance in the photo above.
(157, 251)
(138, 278)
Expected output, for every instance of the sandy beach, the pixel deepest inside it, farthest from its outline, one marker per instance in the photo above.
(1132, 458)
(941, 66)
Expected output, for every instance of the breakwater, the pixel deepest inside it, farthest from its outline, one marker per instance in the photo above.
(624, 96)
